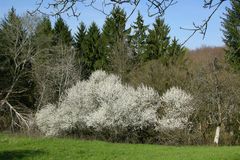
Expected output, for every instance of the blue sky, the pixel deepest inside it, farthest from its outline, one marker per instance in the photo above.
(182, 14)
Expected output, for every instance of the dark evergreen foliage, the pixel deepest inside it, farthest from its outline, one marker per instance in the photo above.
(114, 35)
(62, 34)
(79, 39)
(231, 32)
(92, 56)
(43, 38)
(138, 39)
(15, 68)
(158, 40)
(114, 26)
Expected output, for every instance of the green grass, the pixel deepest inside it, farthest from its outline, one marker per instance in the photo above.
(18, 147)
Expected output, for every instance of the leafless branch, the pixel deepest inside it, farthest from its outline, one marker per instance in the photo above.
(71, 7)
(21, 53)
(154, 8)
(159, 7)
(20, 116)
(202, 28)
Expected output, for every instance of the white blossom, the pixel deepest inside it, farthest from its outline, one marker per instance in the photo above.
(46, 118)
(177, 108)
(103, 102)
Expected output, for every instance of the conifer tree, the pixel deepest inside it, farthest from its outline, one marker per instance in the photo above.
(11, 23)
(158, 40)
(138, 39)
(44, 36)
(175, 52)
(44, 27)
(114, 26)
(62, 34)
(80, 35)
(79, 39)
(231, 32)
(11, 27)
(5, 45)
(92, 57)
(114, 33)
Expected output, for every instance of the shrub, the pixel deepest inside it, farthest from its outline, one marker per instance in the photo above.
(45, 118)
(178, 107)
(106, 107)
(159, 76)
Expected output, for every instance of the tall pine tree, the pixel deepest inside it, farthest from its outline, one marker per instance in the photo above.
(92, 57)
(7, 29)
(44, 27)
(79, 36)
(175, 52)
(158, 40)
(114, 27)
(231, 32)
(115, 35)
(78, 43)
(138, 39)
(44, 37)
(62, 34)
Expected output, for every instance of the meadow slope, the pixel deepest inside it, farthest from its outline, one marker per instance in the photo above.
(19, 148)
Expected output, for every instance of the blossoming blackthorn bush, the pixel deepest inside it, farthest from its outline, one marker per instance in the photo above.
(103, 104)
(178, 107)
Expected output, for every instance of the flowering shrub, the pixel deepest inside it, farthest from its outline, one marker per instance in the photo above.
(177, 108)
(103, 103)
(46, 118)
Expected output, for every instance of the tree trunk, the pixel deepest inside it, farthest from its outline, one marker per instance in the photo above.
(217, 135)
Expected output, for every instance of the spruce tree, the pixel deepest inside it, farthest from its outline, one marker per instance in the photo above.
(43, 40)
(79, 39)
(92, 57)
(138, 39)
(44, 37)
(231, 32)
(11, 26)
(5, 60)
(158, 40)
(115, 32)
(175, 52)
(44, 27)
(12, 23)
(79, 36)
(62, 34)
(114, 26)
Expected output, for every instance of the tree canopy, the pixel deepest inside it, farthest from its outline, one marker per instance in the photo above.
(231, 31)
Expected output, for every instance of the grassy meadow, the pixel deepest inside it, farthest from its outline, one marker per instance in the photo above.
(14, 147)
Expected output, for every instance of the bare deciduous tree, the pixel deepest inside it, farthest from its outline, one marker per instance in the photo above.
(216, 95)
(20, 52)
(55, 74)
